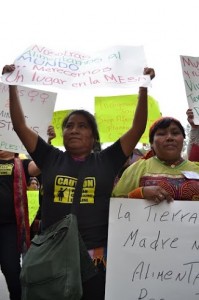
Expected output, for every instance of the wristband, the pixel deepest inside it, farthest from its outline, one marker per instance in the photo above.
(136, 194)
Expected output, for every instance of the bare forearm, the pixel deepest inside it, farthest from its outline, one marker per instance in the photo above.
(16, 112)
(141, 113)
(27, 136)
(130, 139)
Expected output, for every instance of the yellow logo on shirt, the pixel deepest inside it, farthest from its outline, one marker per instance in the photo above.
(6, 169)
(65, 187)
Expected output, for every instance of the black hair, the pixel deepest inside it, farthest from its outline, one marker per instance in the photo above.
(92, 123)
(31, 179)
(164, 123)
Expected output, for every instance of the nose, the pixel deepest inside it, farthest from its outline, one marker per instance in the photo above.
(169, 136)
(74, 129)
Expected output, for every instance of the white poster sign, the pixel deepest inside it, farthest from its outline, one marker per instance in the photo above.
(153, 250)
(191, 80)
(38, 107)
(120, 66)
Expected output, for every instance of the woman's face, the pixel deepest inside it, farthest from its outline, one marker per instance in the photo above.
(33, 185)
(168, 143)
(77, 136)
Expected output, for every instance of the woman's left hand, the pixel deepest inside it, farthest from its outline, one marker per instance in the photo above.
(156, 194)
(149, 71)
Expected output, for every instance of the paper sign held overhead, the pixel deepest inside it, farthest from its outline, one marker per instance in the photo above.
(190, 72)
(119, 66)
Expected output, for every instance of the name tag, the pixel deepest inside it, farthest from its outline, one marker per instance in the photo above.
(190, 174)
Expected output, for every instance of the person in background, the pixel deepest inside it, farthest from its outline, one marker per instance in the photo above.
(60, 171)
(137, 154)
(163, 173)
(193, 144)
(33, 184)
(13, 172)
(14, 225)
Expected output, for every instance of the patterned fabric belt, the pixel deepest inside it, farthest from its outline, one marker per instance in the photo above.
(21, 206)
(99, 256)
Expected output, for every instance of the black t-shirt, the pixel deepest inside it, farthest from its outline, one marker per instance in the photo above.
(7, 211)
(59, 178)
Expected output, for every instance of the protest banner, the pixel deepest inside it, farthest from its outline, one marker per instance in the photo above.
(119, 66)
(152, 250)
(114, 116)
(191, 80)
(38, 106)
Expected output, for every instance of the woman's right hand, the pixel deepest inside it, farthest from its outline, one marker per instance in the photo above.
(156, 194)
(8, 69)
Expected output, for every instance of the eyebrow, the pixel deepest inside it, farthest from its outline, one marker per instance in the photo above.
(80, 122)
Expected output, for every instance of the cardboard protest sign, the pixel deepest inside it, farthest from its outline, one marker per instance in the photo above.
(191, 80)
(119, 66)
(38, 106)
(152, 250)
(58, 117)
(115, 114)
(33, 204)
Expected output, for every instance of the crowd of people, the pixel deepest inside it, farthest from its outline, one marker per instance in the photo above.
(158, 175)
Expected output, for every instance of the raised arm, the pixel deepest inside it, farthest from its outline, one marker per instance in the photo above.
(27, 136)
(32, 167)
(130, 139)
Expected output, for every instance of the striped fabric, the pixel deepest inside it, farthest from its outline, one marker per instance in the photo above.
(21, 206)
